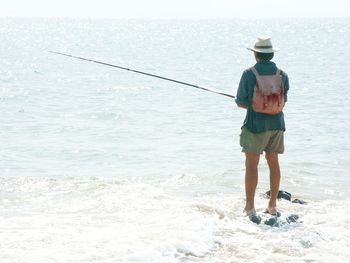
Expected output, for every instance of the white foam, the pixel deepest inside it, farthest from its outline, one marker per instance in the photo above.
(148, 220)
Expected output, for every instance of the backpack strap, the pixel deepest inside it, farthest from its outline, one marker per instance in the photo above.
(254, 71)
(278, 72)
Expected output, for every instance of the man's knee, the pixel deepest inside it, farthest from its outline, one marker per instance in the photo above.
(271, 157)
(252, 159)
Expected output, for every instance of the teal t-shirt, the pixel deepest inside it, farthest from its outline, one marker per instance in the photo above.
(260, 122)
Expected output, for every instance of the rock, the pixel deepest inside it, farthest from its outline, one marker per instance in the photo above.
(292, 218)
(255, 219)
(299, 201)
(282, 194)
(272, 221)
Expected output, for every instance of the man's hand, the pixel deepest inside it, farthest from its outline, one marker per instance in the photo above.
(242, 106)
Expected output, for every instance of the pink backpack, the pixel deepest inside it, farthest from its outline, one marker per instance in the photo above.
(268, 94)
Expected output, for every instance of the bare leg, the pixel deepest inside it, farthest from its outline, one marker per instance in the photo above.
(251, 178)
(275, 177)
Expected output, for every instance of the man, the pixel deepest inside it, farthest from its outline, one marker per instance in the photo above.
(262, 92)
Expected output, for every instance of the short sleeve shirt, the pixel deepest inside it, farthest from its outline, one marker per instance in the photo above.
(254, 121)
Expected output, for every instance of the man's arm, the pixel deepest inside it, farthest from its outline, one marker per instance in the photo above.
(286, 86)
(242, 92)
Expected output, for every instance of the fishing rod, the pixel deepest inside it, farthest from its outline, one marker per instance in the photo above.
(145, 73)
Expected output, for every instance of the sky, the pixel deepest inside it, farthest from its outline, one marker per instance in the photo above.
(175, 9)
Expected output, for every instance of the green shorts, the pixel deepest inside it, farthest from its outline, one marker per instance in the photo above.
(269, 141)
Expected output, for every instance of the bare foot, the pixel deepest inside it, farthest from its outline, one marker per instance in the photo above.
(249, 212)
(272, 210)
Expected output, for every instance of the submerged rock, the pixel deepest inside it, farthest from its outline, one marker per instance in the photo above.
(272, 221)
(292, 218)
(255, 219)
(282, 195)
(287, 196)
(299, 201)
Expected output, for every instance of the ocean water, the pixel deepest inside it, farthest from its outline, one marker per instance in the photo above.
(103, 165)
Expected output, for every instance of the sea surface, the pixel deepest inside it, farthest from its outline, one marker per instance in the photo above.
(103, 165)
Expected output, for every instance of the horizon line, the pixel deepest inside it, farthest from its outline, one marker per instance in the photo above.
(175, 18)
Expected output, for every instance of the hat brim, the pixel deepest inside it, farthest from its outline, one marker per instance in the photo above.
(263, 50)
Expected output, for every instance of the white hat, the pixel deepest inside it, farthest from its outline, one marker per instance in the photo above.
(263, 44)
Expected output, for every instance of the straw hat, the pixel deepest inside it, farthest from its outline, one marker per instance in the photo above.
(263, 44)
